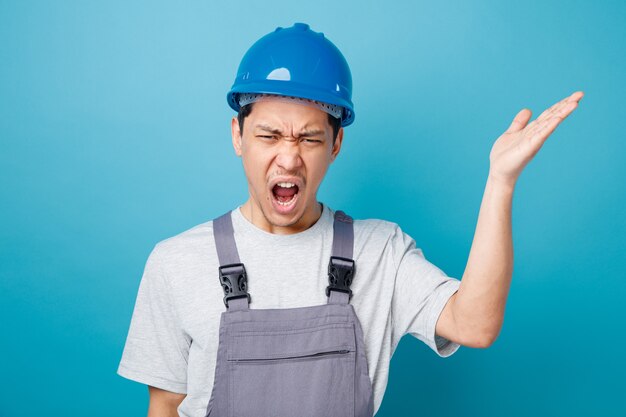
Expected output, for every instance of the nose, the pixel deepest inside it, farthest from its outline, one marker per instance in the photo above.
(288, 155)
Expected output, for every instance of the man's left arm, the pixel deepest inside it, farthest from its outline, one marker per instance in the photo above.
(474, 315)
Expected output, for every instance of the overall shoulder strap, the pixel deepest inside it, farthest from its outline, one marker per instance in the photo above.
(232, 273)
(341, 267)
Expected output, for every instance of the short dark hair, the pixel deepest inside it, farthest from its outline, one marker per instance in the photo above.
(244, 111)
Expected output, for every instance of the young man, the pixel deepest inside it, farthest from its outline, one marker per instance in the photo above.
(292, 333)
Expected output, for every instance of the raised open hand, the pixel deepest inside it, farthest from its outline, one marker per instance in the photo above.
(522, 140)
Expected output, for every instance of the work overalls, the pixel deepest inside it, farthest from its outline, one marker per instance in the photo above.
(293, 362)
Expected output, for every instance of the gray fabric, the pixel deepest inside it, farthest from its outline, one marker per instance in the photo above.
(227, 253)
(223, 232)
(173, 337)
(338, 298)
(306, 361)
(238, 304)
(343, 238)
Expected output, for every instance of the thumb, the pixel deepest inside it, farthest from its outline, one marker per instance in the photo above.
(520, 121)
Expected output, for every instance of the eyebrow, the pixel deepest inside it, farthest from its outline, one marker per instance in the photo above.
(309, 133)
(269, 129)
(275, 131)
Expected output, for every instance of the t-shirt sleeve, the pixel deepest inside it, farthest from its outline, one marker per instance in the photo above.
(156, 349)
(421, 292)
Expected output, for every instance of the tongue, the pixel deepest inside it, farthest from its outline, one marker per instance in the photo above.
(285, 194)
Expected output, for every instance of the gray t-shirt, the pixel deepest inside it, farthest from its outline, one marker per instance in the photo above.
(173, 337)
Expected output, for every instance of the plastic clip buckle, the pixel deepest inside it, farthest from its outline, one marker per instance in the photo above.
(340, 275)
(234, 281)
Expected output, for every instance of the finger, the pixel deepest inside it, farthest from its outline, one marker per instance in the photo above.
(544, 128)
(577, 96)
(557, 107)
(561, 112)
(565, 110)
(550, 111)
(520, 121)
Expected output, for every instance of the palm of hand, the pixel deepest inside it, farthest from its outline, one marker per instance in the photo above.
(520, 143)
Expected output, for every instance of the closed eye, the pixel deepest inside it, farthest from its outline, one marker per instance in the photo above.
(275, 137)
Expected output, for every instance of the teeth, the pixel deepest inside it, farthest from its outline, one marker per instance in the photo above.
(285, 184)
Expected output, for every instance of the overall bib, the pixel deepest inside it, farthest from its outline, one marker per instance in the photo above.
(293, 362)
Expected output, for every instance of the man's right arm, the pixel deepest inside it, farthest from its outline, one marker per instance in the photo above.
(164, 403)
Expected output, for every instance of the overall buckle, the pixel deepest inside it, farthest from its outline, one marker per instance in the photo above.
(340, 275)
(234, 281)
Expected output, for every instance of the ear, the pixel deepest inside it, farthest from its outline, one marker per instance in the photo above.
(236, 135)
(337, 145)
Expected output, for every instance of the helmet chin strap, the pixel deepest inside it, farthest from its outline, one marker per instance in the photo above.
(332, 109)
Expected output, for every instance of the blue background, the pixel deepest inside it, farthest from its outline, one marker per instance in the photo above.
(115, 134)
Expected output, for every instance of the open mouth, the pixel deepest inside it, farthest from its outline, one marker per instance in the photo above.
(285, 193)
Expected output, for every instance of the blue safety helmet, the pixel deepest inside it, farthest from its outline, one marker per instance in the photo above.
(296, 62)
